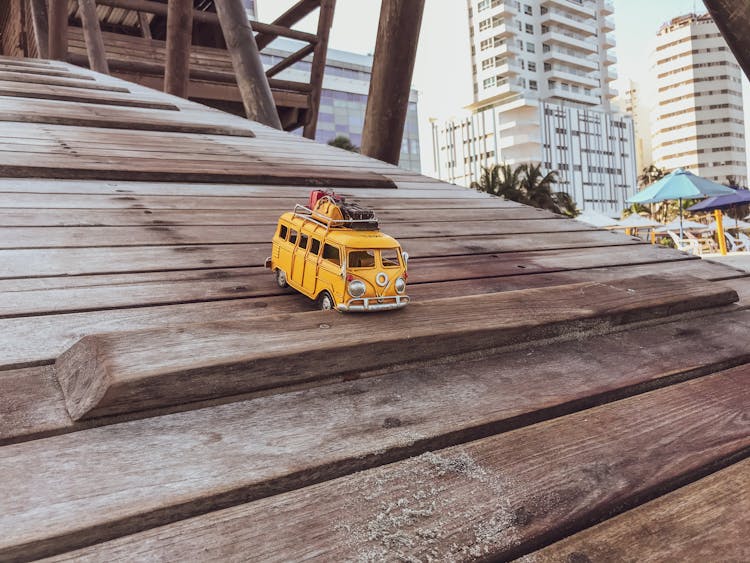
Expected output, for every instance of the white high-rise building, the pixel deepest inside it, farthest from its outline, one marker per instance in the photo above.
(542, 72)
(634, 104)
(699, 121)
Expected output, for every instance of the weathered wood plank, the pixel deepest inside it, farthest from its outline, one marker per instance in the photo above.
(70, 294)
(63, 93)
(126, 372)
(21, 217)
(450, 254)
(703, 521)
(69, 237)
(85, 83)
(513, 491)
(32, 403)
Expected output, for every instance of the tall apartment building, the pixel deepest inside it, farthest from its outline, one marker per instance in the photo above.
(542, 72)
(699, 121)
(635, 105)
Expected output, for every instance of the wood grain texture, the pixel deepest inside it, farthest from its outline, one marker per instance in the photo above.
(496, 498)
(124, 372)
(704, 521)
(32, 404)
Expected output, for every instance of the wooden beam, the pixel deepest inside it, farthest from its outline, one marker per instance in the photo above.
(179, 39)
(325, 20)
(92, 33)
(209, 18)
(41, 27)
(144, 25)
(388, 100)
(290, 60)
(732, 19)
(287, 19)
(251, 78)
(58, 29)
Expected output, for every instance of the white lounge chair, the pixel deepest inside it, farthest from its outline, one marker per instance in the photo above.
(685, 245)
(745, 240)
(735, 245)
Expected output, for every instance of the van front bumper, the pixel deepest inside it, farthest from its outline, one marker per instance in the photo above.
(368, 304)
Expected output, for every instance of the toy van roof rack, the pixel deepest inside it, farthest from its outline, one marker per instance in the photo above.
(354, 217)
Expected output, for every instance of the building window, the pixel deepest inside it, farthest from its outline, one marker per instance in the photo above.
(520, 44)
(533, 84)
(522, 82)
(547, 67)
(519, 25)
(485, 44)
(488, 63)
(530, 47)
(483, 5)
(485, 24)
(527, 10)
(529, 28)
(488, 82)
(532, 66)
(522, 63)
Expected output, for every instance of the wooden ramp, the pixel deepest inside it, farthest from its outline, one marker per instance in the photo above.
(553, 392)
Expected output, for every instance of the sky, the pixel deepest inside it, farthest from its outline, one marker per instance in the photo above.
(442, 71)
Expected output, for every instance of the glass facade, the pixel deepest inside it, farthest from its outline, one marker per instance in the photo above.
(343, 100)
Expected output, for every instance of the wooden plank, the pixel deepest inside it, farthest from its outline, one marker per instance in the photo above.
(448, 255)
(32, 404)
(702, 521)
(61, 93)
(78, 115)
(19, 76)
(20, 217)
(554, 477)
(40, 339)
(73, 294)
(110, 374)
(68, 237)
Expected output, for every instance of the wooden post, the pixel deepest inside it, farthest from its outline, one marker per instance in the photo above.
(92, 33)
(387, 102)
(179, 39)
(58, 29)
(325, 20)
(41, 27)
(720, 231)
(251, 78)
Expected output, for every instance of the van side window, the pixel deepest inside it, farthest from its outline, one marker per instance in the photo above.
(283, 231)
(315, 247)
(293, 236)
(331, 253)
(303, 242)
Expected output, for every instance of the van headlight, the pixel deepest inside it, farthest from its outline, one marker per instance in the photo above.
(400, 285)
(357, 288)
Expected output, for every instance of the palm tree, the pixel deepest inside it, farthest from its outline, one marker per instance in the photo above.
(526, 184)
(500, 180)
(343, 142)
(651, 174)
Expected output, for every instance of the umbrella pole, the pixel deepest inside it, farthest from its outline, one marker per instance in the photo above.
(680, 201)
(720, 231)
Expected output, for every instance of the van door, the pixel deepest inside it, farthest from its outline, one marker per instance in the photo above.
(329, 272)
(298, 260)
(310, 275)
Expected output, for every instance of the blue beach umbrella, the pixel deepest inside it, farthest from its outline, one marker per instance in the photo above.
(680, 184)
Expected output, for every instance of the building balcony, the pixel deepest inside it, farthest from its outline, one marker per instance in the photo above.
(560, 18)
(503, 9)
(578, 7)
(608, 24)
(611, 74)
(610, 59)
(608, 40)
(508, 141)
(592, 99)
(611, 93)
(588, 62)
(508, 68)
(562, 38)
(561, 74)
(608, 8)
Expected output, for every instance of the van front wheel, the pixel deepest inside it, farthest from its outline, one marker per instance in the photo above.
(281, 279)
(325, 302)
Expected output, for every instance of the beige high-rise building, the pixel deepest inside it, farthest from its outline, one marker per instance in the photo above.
(634, 103)
(699, 118)
(543, 73)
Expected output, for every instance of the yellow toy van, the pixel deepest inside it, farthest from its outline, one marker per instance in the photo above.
(333, 252)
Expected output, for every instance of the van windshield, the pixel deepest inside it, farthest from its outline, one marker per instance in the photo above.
(362, 259)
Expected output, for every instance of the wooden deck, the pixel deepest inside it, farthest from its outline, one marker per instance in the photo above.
(554, 392)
